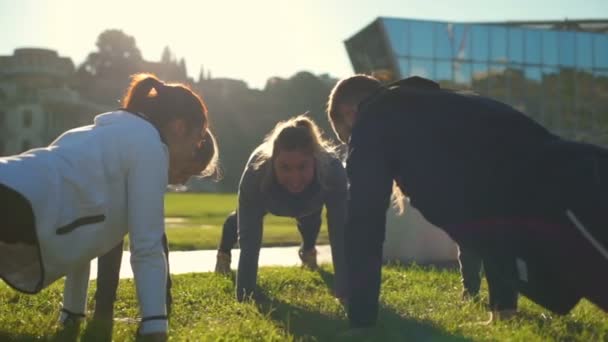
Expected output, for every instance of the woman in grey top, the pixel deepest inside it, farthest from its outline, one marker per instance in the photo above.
(293, 173)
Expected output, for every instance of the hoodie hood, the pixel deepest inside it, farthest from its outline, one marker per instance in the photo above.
(122, 116)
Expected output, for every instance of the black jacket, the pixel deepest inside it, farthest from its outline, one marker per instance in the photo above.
(458, 157)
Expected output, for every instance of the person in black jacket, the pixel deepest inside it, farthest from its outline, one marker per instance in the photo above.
(530, 203)
(503, 296)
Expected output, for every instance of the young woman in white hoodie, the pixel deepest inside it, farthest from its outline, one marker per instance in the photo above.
(108, 265)
(76, 199)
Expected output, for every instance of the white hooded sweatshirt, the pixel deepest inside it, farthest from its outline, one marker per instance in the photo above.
(88, 189)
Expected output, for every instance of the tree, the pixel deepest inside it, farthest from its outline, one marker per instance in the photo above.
(104, 74)
(182, 68)
(167, 57)
(116, 53)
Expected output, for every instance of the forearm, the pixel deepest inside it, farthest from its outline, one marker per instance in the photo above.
(247, 271)
(150, 273)
(250, 221)
(75, 292)
(363, 265)
(336, 219)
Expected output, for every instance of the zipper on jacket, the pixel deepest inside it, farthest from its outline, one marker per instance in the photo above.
(80, 222)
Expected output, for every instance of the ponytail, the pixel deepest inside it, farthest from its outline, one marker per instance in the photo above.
(162, 103)
(139, 91)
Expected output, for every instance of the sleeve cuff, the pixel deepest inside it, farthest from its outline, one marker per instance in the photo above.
(156, 325)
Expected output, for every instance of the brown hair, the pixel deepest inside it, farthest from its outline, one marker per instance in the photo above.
(351, 91)
(348, 91)
(298, 133)
(162, 103)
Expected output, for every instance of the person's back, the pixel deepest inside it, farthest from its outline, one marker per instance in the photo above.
(446, 143)
(81, 166)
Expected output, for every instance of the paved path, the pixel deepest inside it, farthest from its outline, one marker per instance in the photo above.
(204, 260)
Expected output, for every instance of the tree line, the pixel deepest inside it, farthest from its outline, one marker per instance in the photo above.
(240, 116)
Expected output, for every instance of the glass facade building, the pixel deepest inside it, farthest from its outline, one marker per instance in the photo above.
(555, 72)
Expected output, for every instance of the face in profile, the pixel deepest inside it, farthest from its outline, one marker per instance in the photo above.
(183, 145)
(182, 174)
(294, 170)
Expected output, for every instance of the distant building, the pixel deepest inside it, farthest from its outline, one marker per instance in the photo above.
(37, 100)
(555, 71)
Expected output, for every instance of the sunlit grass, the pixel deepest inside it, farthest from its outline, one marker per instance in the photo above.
(201, 217)
(418, 304)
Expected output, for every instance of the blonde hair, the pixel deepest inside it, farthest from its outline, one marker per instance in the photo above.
(207, 153)
(297, 133)
(351, 91)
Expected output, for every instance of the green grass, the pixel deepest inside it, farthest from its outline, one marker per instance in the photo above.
(204, 215)
(418, 304)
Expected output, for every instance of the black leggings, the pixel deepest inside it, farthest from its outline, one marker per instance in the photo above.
(308, 226)
(17, 213)
(108, 271)
(503, 294)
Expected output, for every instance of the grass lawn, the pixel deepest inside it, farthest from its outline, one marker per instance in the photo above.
(201, 218)
(418, 304)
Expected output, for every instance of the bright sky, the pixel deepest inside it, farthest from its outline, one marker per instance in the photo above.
(250, 40)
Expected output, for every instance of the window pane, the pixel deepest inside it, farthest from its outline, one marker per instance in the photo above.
(516, 83)
(498, 44)
(397, 31)
(462, 75)
(443, 74)
(462, 41)
(480, 43)
(566, 48)
(584, 102)
(551, 106)
(516, 45)
(422, 68)
(404, 66)
(369, 53)
(584, 50)
(444, 40)
(421, 39)
(533, 89)
(549, 39)
(600, 49)
(533, 47)
(600, 82)
(480, 78)
(567, 99)
(498, 87)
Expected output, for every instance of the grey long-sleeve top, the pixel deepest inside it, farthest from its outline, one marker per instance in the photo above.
(260, 194)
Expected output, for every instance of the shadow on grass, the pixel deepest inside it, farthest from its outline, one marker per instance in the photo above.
(94, 330)
(302, 323)
(6, 336)
(98, 330)
(68, 334)
(305, 324)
